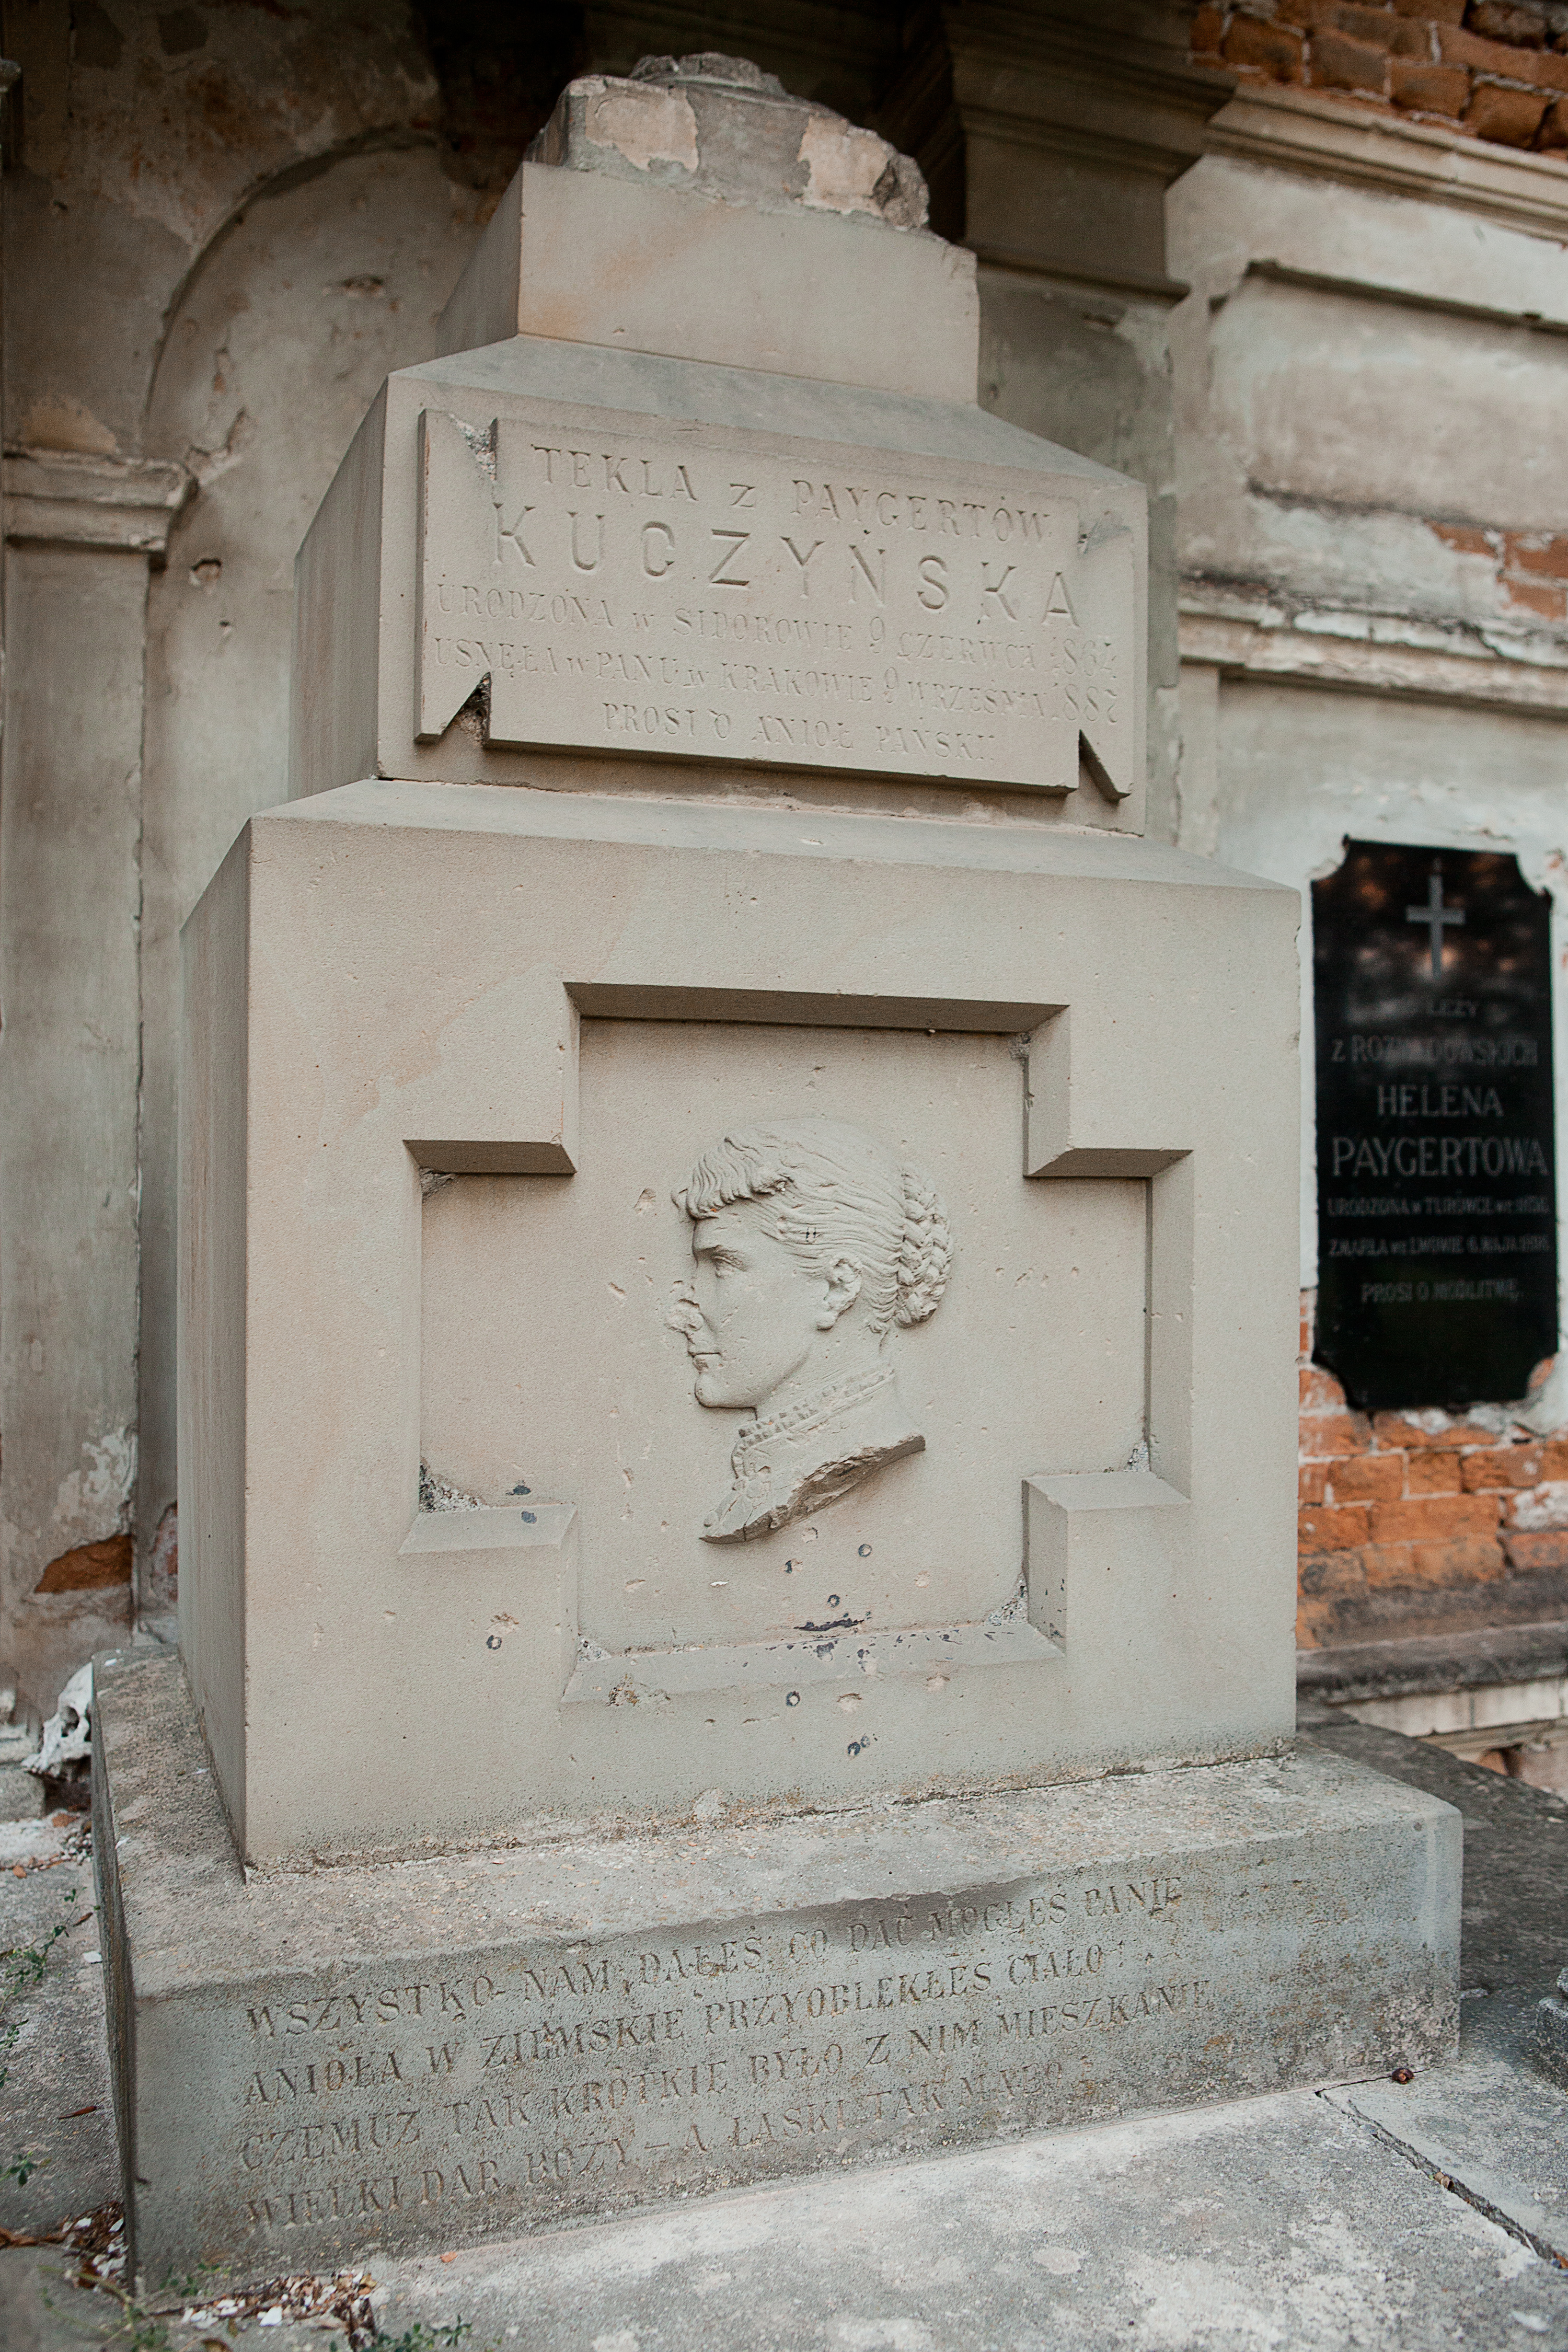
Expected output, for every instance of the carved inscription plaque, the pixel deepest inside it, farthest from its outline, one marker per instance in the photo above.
(652, 589)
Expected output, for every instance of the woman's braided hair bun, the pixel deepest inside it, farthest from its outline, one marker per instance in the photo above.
(925, 1255)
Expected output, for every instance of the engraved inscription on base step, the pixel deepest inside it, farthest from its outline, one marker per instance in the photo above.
(450, 2096)
(635, 2065)
(648, 589)
(810, 1242)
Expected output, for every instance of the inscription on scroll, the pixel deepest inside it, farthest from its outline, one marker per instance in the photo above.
(728, 597)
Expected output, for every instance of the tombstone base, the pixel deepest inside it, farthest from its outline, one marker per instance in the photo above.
(313, 2064)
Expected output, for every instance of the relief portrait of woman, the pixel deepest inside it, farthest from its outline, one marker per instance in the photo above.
(813, 1245)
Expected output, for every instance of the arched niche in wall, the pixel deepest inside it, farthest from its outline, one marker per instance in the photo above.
(277, 346)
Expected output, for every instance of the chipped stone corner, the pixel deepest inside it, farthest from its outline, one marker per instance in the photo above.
(850, 169)
(438, 1493)
(723, 127)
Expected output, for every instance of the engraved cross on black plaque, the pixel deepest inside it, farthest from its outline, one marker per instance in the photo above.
(1434, 914)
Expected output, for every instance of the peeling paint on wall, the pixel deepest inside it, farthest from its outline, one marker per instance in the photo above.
(103, 1492)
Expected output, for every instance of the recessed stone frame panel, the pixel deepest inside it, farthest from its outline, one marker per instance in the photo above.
(938, 1558)
(415, 966)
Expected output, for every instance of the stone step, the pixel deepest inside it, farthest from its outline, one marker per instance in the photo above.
(21, 1793)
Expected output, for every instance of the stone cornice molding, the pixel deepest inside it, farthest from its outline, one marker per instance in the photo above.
(1111, 77)
(59, 498)
(1403, 297)
(1371, 653)
(1084, 81)
(1319, 138)
(1082, 94)
(1057, 277)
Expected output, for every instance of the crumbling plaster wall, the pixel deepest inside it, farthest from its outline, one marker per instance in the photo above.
(203, 205)
(1371, 376)
(142, 132)
(278, 345)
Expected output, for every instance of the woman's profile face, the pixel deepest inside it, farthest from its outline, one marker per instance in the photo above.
(752, 1311)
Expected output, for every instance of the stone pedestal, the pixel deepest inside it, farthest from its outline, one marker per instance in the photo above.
(738, 1294)
(563, 1002)
(316, 2066)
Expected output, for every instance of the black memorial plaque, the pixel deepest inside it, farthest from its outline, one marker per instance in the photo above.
(1436, 1196)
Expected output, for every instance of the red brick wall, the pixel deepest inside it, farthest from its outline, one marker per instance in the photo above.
(1424, 1522)
(1531, 566)
(1494, 69)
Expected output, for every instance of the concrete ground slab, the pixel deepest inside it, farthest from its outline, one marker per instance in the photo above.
(57, 2119)
(34, 2300)
(1270, 2223)
(1491, 2125)
(21, 1794)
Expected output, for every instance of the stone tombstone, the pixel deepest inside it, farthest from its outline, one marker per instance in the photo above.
(1436, 1160)
(738, 1293)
